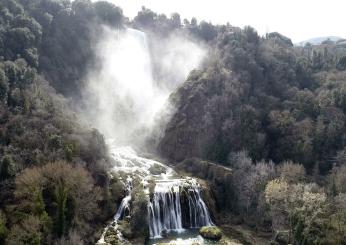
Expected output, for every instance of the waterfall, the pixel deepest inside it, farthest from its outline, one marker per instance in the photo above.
(198, 210)
(122, 100)
(123, 210)
(165, 212)
(165, 208)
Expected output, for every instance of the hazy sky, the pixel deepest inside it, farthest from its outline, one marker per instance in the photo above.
(297, 19)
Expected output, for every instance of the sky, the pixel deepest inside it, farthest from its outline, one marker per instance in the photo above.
(296, 19)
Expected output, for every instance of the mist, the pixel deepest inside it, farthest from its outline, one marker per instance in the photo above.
(135, 75)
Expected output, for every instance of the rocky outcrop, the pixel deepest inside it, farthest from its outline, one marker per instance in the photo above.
(186, 135)
(218, 178)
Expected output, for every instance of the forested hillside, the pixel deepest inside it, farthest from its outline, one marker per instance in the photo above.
(265, 96)
(53, 180)
(272, 112)
(275, 114)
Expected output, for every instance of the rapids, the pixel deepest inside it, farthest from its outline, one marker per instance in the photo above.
(165, 207)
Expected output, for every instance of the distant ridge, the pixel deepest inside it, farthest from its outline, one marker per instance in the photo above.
(319, 40)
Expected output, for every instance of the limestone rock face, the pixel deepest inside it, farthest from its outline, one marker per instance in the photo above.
(185, 135)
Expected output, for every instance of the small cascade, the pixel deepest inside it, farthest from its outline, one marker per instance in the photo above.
(124, 208)
(123, 211)
(165, 208)
(198, 210)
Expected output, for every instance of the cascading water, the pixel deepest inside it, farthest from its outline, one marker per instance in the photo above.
(165, 208)
(121, 100)
(124, 208)
(198, 210)
(165, 211)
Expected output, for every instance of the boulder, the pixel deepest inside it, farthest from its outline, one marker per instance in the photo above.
(210, 232)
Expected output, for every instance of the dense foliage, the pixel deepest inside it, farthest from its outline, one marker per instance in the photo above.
(53, 170)
(265, 96)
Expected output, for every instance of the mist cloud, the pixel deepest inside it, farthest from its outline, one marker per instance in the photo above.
(133, 81)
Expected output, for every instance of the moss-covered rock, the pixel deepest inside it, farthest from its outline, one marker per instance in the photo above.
(139, 212)
(157, 169)
(210, 232)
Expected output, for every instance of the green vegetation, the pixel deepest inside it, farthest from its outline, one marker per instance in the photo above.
(50, 164)
(56, 197)
(139, 212)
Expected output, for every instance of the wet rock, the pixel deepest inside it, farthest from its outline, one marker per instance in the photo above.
(210, 232)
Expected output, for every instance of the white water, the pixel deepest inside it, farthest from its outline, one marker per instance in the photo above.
(165, 208)
(198, 210)
(165, 211)
(122, 100)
